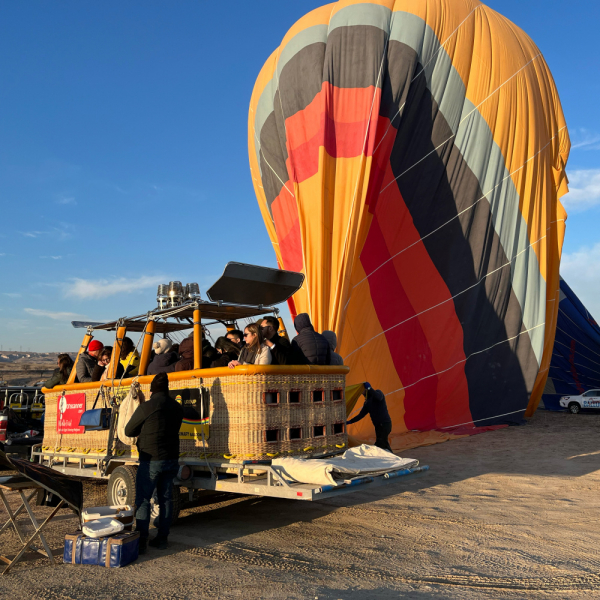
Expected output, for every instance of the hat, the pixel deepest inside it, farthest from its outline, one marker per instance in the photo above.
(162, 346)
(160, 383)
(95, 345)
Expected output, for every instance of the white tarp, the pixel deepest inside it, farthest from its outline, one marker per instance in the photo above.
(355, 462)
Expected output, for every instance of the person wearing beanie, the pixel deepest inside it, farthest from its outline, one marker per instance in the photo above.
(87, 361)
(164, 358)
(376, 407)
(156, 424)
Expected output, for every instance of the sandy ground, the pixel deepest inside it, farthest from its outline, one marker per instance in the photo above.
(507, 514)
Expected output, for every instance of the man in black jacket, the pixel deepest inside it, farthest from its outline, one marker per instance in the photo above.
(376, 408)
(309, 343)
(157, 424)
(281, 349)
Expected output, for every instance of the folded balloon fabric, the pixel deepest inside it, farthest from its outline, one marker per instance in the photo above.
(355, 462)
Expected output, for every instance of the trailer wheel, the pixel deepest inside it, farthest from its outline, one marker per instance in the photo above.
(121, 486)
(574, 408)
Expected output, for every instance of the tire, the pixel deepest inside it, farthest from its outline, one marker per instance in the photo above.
(121, 486)
(574, 408)
(178, 502)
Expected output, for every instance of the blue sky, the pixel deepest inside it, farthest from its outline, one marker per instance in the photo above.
(123, 150)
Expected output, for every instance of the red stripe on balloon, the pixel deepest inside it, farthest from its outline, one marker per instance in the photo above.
(408, 345)
(287, 225)
(423, 345)
(338, 120)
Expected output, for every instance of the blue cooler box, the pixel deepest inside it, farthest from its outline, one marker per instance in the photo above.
(113, 552)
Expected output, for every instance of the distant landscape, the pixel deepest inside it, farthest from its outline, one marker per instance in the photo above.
(27, 368)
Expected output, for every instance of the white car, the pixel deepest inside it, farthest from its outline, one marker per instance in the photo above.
(589, 399)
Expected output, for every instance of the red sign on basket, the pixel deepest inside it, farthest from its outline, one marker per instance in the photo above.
(70, 408)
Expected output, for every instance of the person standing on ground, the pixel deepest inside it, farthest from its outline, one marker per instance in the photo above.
(376, 407)
(157, 424)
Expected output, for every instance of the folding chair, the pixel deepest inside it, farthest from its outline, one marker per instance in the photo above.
(22, 485)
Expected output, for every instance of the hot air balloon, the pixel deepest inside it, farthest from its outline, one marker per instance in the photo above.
(408, 158)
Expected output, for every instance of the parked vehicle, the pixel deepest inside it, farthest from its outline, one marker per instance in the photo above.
(589, 399)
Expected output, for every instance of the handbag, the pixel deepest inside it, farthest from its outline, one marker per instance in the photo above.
(96, 419)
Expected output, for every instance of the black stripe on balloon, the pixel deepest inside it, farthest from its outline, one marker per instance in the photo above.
(464, 250)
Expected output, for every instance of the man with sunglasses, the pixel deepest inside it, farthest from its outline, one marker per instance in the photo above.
(281, 349)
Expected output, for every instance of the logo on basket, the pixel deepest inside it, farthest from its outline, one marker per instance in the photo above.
(70, 409)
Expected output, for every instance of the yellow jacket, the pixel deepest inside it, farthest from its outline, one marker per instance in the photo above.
(131, 360)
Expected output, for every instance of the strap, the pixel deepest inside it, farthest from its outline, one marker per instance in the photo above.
(100, 391)
(108, 545)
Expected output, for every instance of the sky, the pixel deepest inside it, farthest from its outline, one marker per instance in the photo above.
(124, 161)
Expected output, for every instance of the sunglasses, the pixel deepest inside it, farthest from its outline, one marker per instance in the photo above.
(247, 334)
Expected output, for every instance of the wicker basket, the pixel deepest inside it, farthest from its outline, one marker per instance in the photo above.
(250, 416)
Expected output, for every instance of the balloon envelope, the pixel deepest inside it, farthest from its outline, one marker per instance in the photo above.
(409, 157)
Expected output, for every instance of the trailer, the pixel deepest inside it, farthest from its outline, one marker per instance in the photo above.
(236, 420)
(250, 477)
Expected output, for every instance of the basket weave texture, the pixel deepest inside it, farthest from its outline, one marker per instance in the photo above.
(250, 416)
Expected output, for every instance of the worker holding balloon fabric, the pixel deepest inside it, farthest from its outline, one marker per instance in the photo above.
(376, 407)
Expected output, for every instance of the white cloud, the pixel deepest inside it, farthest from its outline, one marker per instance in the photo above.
(581, 270)
(12, 294)
(66, 200)
(34, 234)
(583, 139)
(101, 288)
(584, 190)
(52, 257)
(57, 316)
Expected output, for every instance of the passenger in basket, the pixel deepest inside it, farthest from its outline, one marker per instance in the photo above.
(61, 374)
(256, 352)
(186, 355)
(311, 344)
(376, 407)
(87, 361)
(330, 336)
(209, 354)
(156, 422)
(227, 350)
(237, 337)
(280, 347)
(101, 371)
(130, 358)
(164, 358)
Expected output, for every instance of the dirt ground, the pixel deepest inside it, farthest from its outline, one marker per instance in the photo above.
(506, 514)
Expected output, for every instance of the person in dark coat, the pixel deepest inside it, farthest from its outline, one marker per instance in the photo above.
(186, 355)
(164, 359)
(282, 352)
(376, 407)
(227, 351)
(209, 354)
(61, 374)
(87, 361)
(331, 337)
(156, 422)
(313, 346)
